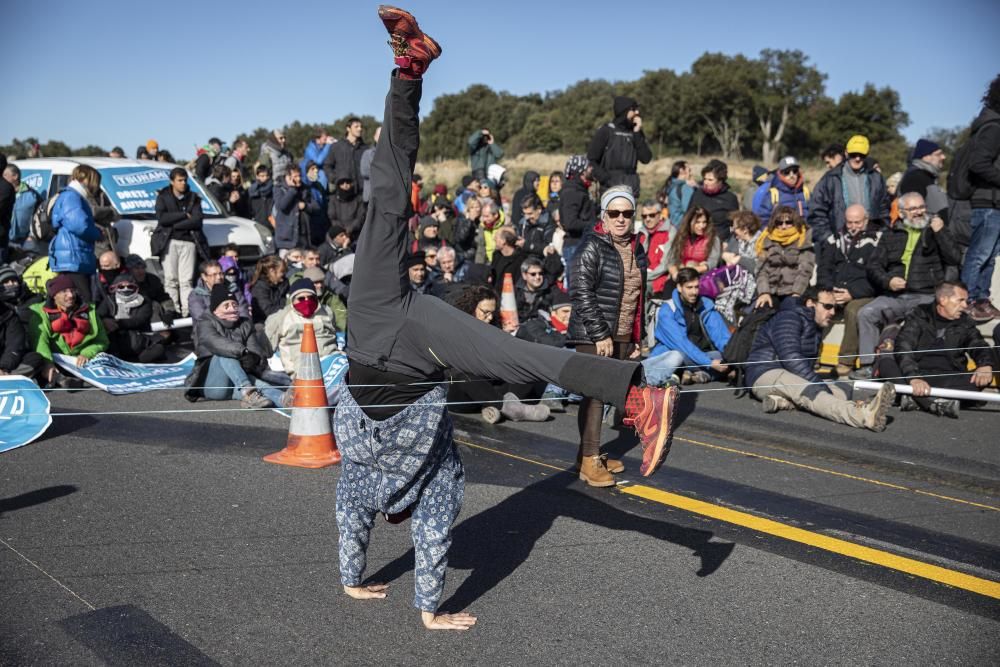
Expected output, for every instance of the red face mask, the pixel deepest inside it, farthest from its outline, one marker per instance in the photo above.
(307, 307)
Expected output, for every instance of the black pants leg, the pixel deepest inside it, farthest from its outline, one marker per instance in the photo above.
(392, 328)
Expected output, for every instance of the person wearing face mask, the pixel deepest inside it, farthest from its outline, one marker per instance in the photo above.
(132, 314)
(284, 328)
(843, 265)
(65, 324)
(577, 211)
(852, 181)
(71, 251)
(327, 298)
(910, 261)
(236, 281)
(16, 295)
(786, 188)
(295, 264)
(230, 360)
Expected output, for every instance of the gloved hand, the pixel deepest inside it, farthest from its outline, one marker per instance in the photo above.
(168, 317)
(250, 362)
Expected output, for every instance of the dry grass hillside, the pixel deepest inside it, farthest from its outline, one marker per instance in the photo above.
(653, 175)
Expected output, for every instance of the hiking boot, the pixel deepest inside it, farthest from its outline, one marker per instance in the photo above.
(943, 407)
(554, 401)
(490, 414)
(875, 410)
(594, 472)
(614, 466)
(412, 49)
(650, 411)
(907, 404)
(700, 377)
(863, 373)
(686, 377)
(252, 398)
(514, 410)
(983, 311)
(843, 370)
(774, 403)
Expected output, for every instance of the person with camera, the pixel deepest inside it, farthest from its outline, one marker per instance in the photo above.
(483, 151)
(230, 359)
(618, 146)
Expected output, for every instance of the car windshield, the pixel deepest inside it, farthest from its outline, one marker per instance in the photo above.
(132, 191)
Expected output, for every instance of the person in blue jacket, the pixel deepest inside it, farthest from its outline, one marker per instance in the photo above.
(316, 151)
(26, 202)
(785, 188)
(690, 324)
(71, 251)
(679, 189)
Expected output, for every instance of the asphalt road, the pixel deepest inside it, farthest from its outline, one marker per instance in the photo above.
(163, 539)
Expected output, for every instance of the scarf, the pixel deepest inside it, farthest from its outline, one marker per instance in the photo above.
(73, 326)
(558, 326)
(928, 167)
(783, 236)
(126, 302)
(711, 192)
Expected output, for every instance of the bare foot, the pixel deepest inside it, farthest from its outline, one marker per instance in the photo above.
(459, 621)
(369, 592)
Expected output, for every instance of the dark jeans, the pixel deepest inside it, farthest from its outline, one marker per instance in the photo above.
(591, 413)
(392, 328)
(889, 368)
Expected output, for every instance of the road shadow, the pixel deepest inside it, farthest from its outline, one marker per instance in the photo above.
(65, 422)
(36, 497)
(494, 543)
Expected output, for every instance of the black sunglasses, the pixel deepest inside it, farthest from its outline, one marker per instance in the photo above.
(613, 214)
(856, 156)
(828, 306)
(790, 170)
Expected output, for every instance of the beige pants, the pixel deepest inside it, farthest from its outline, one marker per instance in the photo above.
(178, 271)
(810, 397)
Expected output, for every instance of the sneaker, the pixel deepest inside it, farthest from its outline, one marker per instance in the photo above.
(490, 414)
(514, 410)
(943, 407)
(863, 373)
(650, 411)
(594, 472)
(774, 403)
(983, 311)
(252, 398)
(875, 410)
(412, 49)
(907, 404)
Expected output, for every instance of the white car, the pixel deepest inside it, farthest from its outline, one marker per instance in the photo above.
(130, 187)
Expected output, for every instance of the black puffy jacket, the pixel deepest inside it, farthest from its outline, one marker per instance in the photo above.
(921, 331)
(848, 271)
(577, 211)
(789, 341)
(934, 252)
(596, 279)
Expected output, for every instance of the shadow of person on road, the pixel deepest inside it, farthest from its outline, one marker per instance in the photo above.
(494, 543)
(36, 497)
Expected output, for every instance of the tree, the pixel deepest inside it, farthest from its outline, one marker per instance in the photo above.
(720, 90)
(788, 84)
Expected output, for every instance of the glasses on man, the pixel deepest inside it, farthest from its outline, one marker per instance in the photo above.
(533, 274)
(915, 209)
(790, 171)
(302, 297)
(613, 214)
(649, 216)
(856, 156)
(828, 306)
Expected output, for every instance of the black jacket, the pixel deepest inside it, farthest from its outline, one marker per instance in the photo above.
(261, 201)
(540, 330)
(934, 252)
(577, 211)
(7, 197)
(614, 150)
(503, 264)
(267, 299)
(719, 206)
(347, 210)
(541, 299)
(827, 206)
(527, 188)
(215, 339)
(789, 341)
(596, 283)
(344, 161)
(984, 160)
(925, 330)
(850, 271)
(13, 339)
(536, 236)
(183, 217)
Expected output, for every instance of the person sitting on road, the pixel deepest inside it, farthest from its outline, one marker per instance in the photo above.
(779, 368)
(696, 244)
(336, 245)
(151, 288)
(16, 356)
(327, 299)
(656, 235)
(533, 291)
(689, 326)
(234, 279)
(230, 360)
(16, 294)
(844, 260)
(933, 349)
(284, 328)
(535, 227)
(133, 314)
(739, 255)
(451, 267)
(65, 324)
(201, 295)
(785, 258)
(268, 288)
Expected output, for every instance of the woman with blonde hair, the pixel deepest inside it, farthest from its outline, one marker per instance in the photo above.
(785, 258)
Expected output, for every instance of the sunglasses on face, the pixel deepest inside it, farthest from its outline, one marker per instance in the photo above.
(828, 306)
(303, 297)
(613, 214)
(856, 156)
(648, 216)
(790, 171)
(784, 222)
(533, 274)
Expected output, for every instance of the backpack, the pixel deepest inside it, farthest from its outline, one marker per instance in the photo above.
(737, 350)
(41, 221)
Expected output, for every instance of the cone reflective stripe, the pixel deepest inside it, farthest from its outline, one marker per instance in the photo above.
(508, 302)
(310, 439)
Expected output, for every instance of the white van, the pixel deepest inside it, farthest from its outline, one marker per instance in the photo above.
(130, 187)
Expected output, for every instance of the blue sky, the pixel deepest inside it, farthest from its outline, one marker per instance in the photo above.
(114, 72)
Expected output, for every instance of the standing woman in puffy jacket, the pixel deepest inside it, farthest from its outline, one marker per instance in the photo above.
(607, 278)
(71, 251)
(785, 258)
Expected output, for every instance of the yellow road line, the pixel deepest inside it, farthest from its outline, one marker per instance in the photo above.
(832, 544)
(845, 475)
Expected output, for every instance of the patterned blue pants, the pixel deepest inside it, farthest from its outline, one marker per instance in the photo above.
(407, 460)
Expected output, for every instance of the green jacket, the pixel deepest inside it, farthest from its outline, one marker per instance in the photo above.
(337, 307)
(45, 341)
(482, 154)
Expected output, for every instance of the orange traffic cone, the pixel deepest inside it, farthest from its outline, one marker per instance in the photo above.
(508, 302)
(310, 440)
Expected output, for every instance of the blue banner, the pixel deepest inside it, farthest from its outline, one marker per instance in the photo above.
(24, 411)
(118, 377)
(38, 180)
(132, 190)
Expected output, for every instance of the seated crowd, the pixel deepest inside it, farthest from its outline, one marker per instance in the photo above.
(702, 284)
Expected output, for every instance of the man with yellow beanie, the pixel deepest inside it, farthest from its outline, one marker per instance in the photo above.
(850, 182)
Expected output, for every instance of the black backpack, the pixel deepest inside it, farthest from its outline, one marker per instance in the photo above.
(737, 350)
(41, 221)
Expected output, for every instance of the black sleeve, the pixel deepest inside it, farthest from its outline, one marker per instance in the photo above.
(140, 319)
(642, 150)
(15, 344)
(825, 263)
(983, 156)
(595, 151)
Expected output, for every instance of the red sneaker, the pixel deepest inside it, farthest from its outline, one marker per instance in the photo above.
(413, 50)
(650, 411)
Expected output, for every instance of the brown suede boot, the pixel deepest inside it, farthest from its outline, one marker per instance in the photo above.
(594, 472)
(614, 466)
